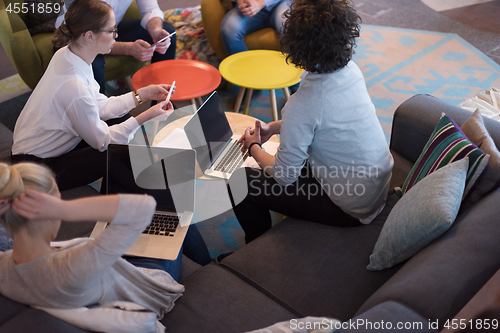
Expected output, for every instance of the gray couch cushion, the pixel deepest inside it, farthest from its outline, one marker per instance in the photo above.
(416, 118)
(439, 280)
(5, 143)
(9, 308)
(32, 320)
(216, 300)
(188, 268)
(316, 269)
(390, 313)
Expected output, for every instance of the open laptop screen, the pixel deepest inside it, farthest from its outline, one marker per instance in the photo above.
(208, 131)
(167, 174)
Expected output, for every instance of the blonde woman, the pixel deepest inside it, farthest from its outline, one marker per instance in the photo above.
(88, 270)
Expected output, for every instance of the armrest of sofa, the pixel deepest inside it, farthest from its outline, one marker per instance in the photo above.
(388, 316)
(487, 300)
(415, 119)
(212, 14)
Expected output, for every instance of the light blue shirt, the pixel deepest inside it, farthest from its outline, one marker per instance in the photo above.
(331, 122)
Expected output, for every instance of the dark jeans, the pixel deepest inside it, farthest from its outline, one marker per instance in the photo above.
(194, 248)
(81, 166)
(303, 199)
(130, 31)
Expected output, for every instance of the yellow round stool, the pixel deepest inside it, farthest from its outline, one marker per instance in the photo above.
(259, 69)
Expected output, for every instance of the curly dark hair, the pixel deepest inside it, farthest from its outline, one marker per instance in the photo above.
(319, 35)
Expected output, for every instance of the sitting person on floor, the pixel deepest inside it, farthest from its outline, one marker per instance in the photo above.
(136, 37)
(66, 123)
(333, 165)
(249, 16)
(86, 271)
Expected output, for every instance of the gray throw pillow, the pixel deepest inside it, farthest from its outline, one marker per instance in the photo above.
(424, 213)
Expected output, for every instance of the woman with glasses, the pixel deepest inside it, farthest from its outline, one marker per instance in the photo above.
(333, 165)
(66, 123)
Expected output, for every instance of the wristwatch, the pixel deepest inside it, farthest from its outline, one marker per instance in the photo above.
(137, 97)
(251, 145)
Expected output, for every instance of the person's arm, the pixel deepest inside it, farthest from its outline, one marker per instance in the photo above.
(84, 116)
(149, 10)
(38, 206)
(139, 49)
(266, 131)
(152, 21)
(297, 134)
(156, 31)
(163, 108)
(264, 159)
(117, 106)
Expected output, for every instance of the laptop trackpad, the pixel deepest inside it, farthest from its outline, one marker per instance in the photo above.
(139, 245)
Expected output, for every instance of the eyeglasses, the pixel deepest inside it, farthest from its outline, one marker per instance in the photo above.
(114, 31)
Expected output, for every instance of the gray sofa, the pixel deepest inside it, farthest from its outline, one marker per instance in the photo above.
(301, 268)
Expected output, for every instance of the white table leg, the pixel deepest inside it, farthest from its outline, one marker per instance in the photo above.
(239, 98)
(193, 106)
(200, 101)
(154, 130)
(274, 107)
(286, 91)
(247, 101)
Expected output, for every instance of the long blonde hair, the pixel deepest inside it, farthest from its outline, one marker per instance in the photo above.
(16, 179)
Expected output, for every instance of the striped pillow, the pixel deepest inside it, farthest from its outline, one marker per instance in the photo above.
(447, 144)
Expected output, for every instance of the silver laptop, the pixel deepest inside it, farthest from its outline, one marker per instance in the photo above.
(217, 149)
(167, 174)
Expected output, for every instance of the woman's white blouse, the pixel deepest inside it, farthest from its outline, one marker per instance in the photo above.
(66, 107)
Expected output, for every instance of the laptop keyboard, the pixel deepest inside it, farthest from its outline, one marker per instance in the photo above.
(162, 225)
(233, 159)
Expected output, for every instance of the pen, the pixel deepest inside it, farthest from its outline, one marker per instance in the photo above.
(164, 38)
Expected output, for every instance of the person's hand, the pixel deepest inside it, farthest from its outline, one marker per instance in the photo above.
(251, 135)
(38, 206)
(265, 132)
(141, 50)
(157, 35)
(251, 7)
(157, 92)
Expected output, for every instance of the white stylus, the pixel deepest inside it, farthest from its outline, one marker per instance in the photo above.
(164, 38)
(170, 91)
